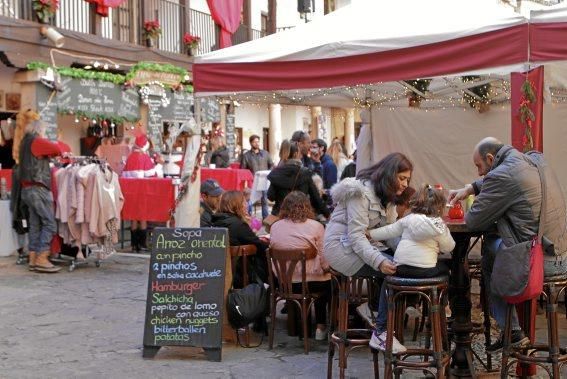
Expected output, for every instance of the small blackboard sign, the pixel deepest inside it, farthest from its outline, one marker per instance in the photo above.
(155, 122)
(129, 107)
(98, 97)
(186, 290)
(91, 96)
(230, 135)
(46, 101)
(180, 107)
(210, 110)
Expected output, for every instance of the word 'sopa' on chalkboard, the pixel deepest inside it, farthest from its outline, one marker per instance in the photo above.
(186, 290)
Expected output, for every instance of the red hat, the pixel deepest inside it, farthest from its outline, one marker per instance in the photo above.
(142, 142)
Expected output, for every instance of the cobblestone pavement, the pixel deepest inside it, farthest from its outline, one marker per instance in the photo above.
(89, 324)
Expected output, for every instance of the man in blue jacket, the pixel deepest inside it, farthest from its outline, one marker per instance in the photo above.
(329, 168)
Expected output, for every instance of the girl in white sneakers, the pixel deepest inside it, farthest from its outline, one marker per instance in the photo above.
(423, 236)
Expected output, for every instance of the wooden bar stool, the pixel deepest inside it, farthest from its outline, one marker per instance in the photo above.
(348, 290)
(242, 253)
(433, 291)
(553, 288)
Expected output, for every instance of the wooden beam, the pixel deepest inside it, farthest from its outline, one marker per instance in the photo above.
(23, 43)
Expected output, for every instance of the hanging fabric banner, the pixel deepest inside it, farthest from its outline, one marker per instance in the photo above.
(226, 14)
(527, 110)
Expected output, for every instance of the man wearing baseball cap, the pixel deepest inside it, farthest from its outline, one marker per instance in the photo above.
(210, 198)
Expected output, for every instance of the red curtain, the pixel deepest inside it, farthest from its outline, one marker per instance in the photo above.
(103, 5)
(519, 138)
(227, 15)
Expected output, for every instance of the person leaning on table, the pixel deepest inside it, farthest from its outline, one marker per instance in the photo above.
(509, 194)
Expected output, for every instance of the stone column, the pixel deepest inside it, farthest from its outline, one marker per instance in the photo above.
(315, 113)
(349, 131)
(275, 131)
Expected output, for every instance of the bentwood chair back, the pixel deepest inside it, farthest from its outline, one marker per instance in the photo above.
(282, 264)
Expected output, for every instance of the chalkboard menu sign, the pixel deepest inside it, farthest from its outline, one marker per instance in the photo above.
(210, 110)
(230, 135)
(47, 109)
(98, 97)
(186, 290)
(155, 121)
(129, 104)
(180, 107)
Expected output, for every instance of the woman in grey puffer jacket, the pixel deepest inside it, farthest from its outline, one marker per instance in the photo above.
(363, 203)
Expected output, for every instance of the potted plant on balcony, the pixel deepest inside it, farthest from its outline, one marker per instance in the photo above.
(152, 31)
(191, 43)
(45, 9)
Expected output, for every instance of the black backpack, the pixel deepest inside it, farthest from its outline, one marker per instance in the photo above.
(247, 304)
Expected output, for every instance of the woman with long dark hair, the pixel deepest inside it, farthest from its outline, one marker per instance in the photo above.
(362, 203)
(290, 175)
(233, 216)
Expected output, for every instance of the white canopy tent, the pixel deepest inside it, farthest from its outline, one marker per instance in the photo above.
(362, 55)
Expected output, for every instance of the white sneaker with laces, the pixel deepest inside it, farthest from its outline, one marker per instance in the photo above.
(365, 312)
(379, 342)
(413, 312)
(320, 335)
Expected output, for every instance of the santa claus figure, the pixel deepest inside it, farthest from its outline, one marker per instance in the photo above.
(139, 164)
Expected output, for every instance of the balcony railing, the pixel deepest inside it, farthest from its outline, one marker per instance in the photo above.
(125, 22)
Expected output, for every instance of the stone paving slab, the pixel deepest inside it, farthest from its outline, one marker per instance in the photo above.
(89, 324)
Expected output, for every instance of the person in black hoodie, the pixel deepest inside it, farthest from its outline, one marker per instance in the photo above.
(220, 156)
(232, 215)
(290, 175)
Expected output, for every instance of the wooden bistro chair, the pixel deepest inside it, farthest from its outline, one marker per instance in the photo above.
(282, 263)
(242, 252)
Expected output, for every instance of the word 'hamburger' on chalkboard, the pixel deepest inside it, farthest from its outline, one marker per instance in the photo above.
(186, 290)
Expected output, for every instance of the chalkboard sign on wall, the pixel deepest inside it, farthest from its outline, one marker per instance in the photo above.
(230, 135)
(186, 290)
(47, 111)
(180, 107)
(155, 122)
(98, 97)
(210, 110)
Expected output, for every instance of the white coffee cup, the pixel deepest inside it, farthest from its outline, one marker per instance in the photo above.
(212, 165)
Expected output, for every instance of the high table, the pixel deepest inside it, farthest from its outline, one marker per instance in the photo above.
(148, 199)
(7, 174)
(460, 297)
(230, 179)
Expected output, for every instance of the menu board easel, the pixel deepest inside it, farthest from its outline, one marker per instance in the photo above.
(185, 301)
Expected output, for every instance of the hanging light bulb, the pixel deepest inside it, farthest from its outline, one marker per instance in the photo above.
(76, 120)
(94, 121)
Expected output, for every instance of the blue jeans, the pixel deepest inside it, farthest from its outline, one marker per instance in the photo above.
(497, 304)
(264, 202)
(42, 220)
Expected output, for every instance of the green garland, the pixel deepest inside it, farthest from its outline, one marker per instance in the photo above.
(79, 73)
(97, 116)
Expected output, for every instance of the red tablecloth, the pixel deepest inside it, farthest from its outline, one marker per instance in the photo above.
(234, 165)
(7, 174)
(147, 199)
(229, 178)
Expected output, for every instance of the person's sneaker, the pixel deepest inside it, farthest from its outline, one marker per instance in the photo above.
(519, 339)
(367, 315)
(413, 312)
(379, 342)
(320, 334)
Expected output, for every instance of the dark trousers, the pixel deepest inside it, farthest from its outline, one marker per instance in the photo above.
(321, 303)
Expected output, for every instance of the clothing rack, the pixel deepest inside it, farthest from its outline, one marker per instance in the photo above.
(86, 249)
